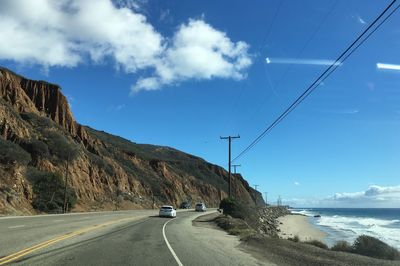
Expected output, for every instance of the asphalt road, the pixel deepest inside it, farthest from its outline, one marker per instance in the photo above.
(117, 238)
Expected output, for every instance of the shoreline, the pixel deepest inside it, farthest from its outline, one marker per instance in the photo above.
(298, 225)
(277, 251)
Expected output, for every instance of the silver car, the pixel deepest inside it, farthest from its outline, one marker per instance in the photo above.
(167, 211)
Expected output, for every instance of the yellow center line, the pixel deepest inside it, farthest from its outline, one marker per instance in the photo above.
(24, 252)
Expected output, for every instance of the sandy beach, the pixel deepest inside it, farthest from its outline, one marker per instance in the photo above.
(299, 225)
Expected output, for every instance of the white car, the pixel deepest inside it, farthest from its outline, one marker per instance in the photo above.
(167, 211)
(200, 207)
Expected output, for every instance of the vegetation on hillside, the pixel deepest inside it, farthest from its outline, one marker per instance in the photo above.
(48, 189)
(183, 164)
(11, 153)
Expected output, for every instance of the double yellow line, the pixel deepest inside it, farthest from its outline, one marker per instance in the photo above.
(24, 252)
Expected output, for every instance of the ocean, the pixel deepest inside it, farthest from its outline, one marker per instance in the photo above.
(348, 223)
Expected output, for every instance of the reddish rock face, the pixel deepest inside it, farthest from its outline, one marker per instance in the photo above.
(48, 99)
(40, 97)
(107, 169)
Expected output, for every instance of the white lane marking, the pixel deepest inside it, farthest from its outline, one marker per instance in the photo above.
(16, 226)
(169, 246)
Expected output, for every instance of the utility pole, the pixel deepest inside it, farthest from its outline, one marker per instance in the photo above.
(234, 179)
(255, 194)
(266, 198)
(234, 167)
(229, 138)
(65, 186)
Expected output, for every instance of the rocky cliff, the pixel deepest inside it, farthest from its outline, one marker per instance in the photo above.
(38, 132)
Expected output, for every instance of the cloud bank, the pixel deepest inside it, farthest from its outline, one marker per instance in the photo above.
(374, 196)
(67, 33)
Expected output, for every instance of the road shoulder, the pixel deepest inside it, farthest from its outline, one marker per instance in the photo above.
(229, 244)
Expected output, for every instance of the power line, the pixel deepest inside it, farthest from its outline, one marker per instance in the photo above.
(229, 121)
(317, 29)
(274, 19)
(343, 56)
(276, 85)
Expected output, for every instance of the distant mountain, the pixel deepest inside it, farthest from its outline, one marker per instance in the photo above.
(41, 143)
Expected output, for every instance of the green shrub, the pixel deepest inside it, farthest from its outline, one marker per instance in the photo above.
(317, 244)
(294, 239)
(60, 147)
(234, 226)
(36, 148)
(101, 163)
(11, 153)
(233, 208)
(48, 189)
(342, 246)
(41, 122)
(373, 247)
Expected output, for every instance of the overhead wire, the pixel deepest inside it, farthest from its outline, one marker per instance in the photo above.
(325, 74)
(277, 84)
(229, 121)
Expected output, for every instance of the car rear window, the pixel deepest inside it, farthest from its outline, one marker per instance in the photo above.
(166, 208)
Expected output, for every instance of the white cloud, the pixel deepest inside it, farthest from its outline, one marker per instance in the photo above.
(165, 16)
(66, 33)
(296, 183)
(374, 196)
(298, 61)
(198, 51)
(63, 33)
(373, 193)
(387, 66)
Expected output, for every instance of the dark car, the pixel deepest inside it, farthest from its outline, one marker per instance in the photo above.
(200, 207)
(185, 205)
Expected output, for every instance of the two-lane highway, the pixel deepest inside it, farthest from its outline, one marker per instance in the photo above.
(128, 238)
(19, 233)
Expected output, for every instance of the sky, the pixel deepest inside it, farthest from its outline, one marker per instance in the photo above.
(184, 73)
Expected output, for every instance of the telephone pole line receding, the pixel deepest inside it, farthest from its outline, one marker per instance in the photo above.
(229, 138)
(255, 194)
(234, 167)
(234, 184)
(266, 198)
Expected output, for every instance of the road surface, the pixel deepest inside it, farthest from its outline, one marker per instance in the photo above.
(117, 238)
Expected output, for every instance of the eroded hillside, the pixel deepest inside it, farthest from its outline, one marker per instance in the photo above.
(39, 134)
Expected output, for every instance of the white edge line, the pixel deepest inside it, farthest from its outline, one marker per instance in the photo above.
(169, 246)
(16, 226)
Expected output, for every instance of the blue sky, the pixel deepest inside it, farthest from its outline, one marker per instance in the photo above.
(183, 73)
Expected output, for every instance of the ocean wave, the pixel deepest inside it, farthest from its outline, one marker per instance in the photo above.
(385, 230)
(303, 212)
